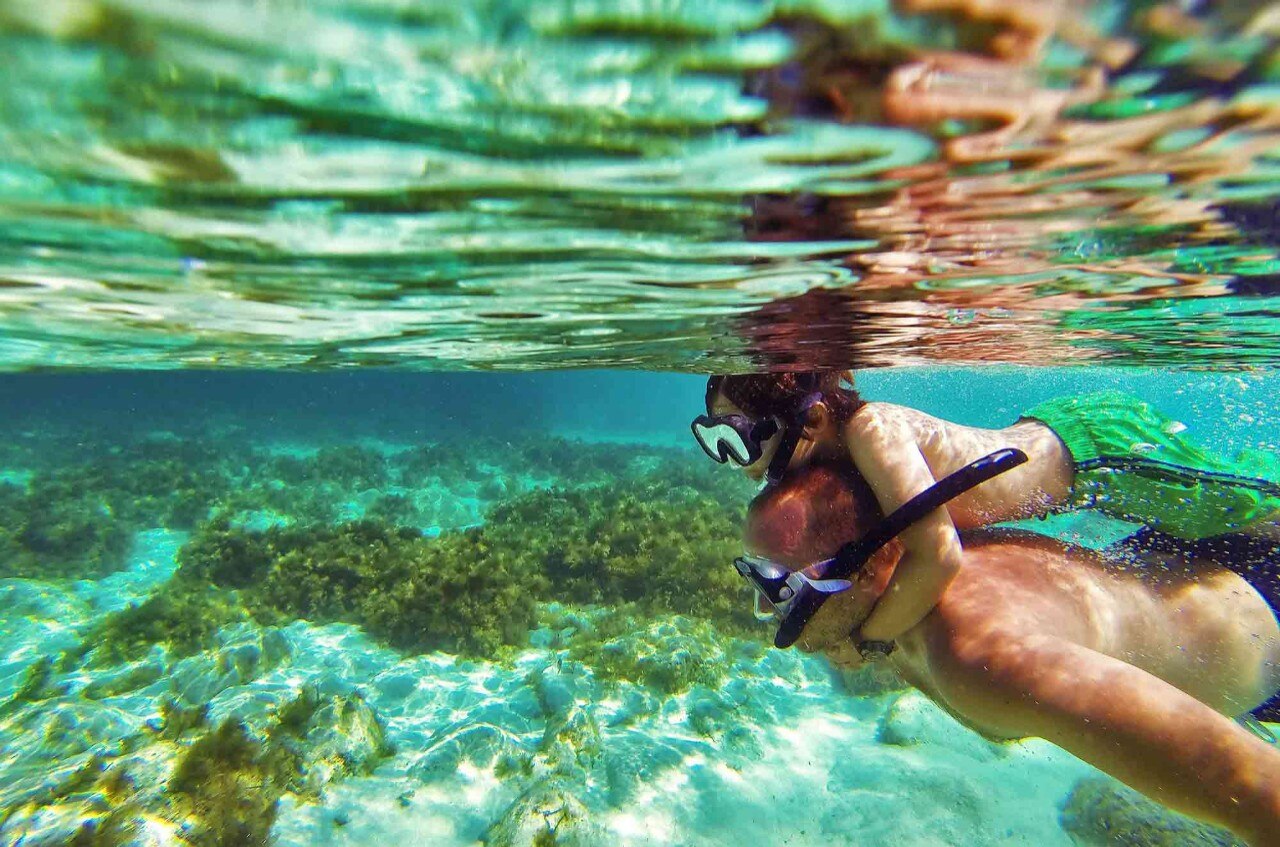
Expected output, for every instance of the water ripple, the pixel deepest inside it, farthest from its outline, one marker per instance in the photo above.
(703, 186)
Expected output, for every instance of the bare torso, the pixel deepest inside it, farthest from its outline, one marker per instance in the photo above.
(1029, 490)
(1198, 627)
(1134, 666)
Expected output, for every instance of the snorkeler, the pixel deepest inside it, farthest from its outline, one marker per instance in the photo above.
(1135, 670)
(1105, 451)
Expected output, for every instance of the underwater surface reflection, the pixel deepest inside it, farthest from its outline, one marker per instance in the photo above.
(700, 187)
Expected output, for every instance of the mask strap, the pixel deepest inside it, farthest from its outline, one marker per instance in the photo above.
(792, 431)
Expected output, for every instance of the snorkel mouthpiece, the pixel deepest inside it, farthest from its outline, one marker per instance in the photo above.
(797, 596)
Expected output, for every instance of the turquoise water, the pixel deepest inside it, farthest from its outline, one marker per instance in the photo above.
(348, 351)
(353, 609)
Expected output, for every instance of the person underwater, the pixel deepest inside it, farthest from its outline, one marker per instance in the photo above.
(1105, 451)
(1138, 671)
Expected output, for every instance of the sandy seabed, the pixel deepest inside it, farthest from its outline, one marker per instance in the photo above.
(430, 749)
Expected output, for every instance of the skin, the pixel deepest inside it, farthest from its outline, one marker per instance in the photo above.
(1132, 669)
(901, 452)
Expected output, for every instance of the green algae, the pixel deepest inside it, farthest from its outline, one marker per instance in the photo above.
(1100, 812)
(227, 784)
(545, 815)
(656, 543)
(178, 719)
(664, 548)
(318, 735)
(232, 780)
(659, 543)
(223, 782)
(401, 586)
(37, 684)
(669, 655)
(184, 616)
(56, 531)
(350, 466)
(154, 481)
(395, 509)
(107, 824)
(415, 593)
(77, 519)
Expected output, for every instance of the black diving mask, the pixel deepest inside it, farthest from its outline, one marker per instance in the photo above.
(796, 596)
(734, 438)
(741, 440)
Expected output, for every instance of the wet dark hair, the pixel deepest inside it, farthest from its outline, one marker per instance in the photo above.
(762, 395)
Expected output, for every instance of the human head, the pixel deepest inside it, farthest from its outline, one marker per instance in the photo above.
(806, 518)
(782, 396)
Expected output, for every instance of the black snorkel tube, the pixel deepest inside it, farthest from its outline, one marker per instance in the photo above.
(809, 594)
(792, 430)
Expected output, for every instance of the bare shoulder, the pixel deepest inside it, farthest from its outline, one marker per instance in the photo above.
(1019, 582)
(888, 419)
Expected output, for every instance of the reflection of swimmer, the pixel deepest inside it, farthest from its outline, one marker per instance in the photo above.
(1133, 670)
(1105, 451)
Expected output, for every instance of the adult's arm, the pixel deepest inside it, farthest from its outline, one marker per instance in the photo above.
(1119, 718)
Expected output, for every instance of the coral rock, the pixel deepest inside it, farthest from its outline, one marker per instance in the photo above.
(1101, 812)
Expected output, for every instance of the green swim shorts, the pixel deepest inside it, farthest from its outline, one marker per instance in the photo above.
(1133, 463)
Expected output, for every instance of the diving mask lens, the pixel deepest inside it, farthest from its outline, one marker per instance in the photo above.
(733, 438)
(777, 587)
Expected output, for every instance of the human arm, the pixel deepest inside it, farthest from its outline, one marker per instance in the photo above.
(885, 453)
(1117, 717)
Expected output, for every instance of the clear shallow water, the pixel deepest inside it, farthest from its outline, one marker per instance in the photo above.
(230, 602)
(695, 187)
(163, 683)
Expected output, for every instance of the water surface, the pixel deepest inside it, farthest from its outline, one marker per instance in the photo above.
(695, 187)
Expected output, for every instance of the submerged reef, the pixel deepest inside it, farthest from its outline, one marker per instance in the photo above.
(187, 781)
(184, 616)
(415, 593)
(46, 533)
(393, 581)
(169, 704)
(230, 779)
(653, 658)
(657, 549)
(1101, 812)
(76, 518)
(663, 548)
(156, 481)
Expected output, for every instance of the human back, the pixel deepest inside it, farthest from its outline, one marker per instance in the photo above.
(1105, 451)
(1189, 622)
(1135, 667)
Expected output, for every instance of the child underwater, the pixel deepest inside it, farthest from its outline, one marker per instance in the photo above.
(1105, 451)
